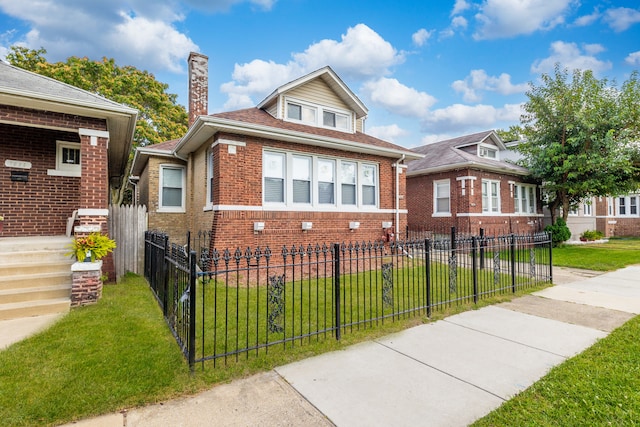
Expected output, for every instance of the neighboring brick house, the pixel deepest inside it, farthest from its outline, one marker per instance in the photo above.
(463, 183)
(296, 169)
(60, 147)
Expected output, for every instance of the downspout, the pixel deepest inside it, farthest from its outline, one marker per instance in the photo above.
(397, 221)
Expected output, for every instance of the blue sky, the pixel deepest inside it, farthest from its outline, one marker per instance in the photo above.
(427, 70)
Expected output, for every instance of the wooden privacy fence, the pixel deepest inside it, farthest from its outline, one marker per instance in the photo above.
(127, 225)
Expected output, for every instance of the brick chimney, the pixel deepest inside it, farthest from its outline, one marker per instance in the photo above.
(198, 86)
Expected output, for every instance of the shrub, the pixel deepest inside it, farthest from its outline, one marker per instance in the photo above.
(559, 232)
(592, 235)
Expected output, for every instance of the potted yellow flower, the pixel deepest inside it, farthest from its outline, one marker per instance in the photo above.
(92, 247)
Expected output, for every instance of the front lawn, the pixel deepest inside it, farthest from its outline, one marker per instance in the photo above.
(609, 256)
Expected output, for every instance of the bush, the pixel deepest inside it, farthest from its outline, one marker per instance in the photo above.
(559, 232)
(591, 235)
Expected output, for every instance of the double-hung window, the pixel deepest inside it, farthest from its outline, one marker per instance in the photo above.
(172, 188)
(326, 179)
(317, 115)
(210, 181)
(524, 199)
(490, 196)
(274, 177)
(442, 197)
(301, 179)
(348, 180)
(628, 205)
(308, 181)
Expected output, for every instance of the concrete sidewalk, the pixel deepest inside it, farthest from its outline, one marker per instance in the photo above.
(447, 373)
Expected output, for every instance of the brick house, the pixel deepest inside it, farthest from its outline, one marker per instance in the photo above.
(60, 149)
(296, 169)
(464, 183)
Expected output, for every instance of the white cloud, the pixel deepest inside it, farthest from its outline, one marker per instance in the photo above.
(508, 18)
(459, 22)
(621, 18)
(421, 36)
(141, 33)
(395, 97)
(458, 118)
(570, 56)
(224, 5)
(478, 80)
(259, 78)
(143, 38)
(388, 133)
(360, 53)
(586, 20)
(633, 59)
(459, 7)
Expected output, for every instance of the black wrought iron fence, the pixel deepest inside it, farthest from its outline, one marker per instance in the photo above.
(232, 303)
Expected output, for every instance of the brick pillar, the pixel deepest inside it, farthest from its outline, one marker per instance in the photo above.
(86, 287)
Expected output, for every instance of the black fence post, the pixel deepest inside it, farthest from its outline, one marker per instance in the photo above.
(482, 244)
(165, 276)
(427, 251)
(474, 267)
(513, 262)
(550, 237)
(192, 309)
(336, 287)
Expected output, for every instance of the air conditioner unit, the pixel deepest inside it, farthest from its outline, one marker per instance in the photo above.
(353, 225)
(258, 226)
(387, 224)
(307, 225)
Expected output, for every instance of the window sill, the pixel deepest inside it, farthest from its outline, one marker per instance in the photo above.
(58, 172)
(171, 210)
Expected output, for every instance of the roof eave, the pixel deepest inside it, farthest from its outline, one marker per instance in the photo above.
(207, 126)
(475, 165)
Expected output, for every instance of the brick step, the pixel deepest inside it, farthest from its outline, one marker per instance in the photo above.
(34, 308)
(8, 296)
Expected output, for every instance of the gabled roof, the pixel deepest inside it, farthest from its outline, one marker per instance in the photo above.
(448, 155)
(142, 154)
(22, 88)
(259, 123)
(332, 80)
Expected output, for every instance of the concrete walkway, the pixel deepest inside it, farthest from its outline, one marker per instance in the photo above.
(447, 373)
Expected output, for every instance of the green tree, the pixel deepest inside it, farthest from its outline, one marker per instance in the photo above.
(581, 137)
(160, 118)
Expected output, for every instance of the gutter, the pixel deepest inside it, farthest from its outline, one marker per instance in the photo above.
(398, 167)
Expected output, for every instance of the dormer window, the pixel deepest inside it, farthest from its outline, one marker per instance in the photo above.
(308, 114)
(488, 152)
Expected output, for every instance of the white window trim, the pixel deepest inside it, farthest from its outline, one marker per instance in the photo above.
(490, 211)
(319, 109)
(210, 170)
(517, 199)
(490, 147)
(627, 205)
(64, 169)
(171, 209)
(435, 198)
(315, 205)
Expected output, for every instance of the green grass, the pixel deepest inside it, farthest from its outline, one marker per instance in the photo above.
(599, 387)
(612, 255)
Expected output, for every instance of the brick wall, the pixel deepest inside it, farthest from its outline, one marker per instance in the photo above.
(238, 182)
(41, 205)
(466, 209)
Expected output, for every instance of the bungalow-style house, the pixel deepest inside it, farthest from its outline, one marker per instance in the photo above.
(60, 147)
(296, 169)
(464, 183)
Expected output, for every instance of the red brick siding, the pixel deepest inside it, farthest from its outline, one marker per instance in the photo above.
(420, 193)
(42, 205)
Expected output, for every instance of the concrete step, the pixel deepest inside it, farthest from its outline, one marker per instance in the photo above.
(34, 243)
(8, 296)
(32, 256)
(43, 265)
(35, 280)
(34, 308)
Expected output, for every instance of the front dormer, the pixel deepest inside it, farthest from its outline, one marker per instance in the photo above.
(488, 151)
(318, 99)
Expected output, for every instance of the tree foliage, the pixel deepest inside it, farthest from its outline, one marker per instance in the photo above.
(160, 118)
(581, 137)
